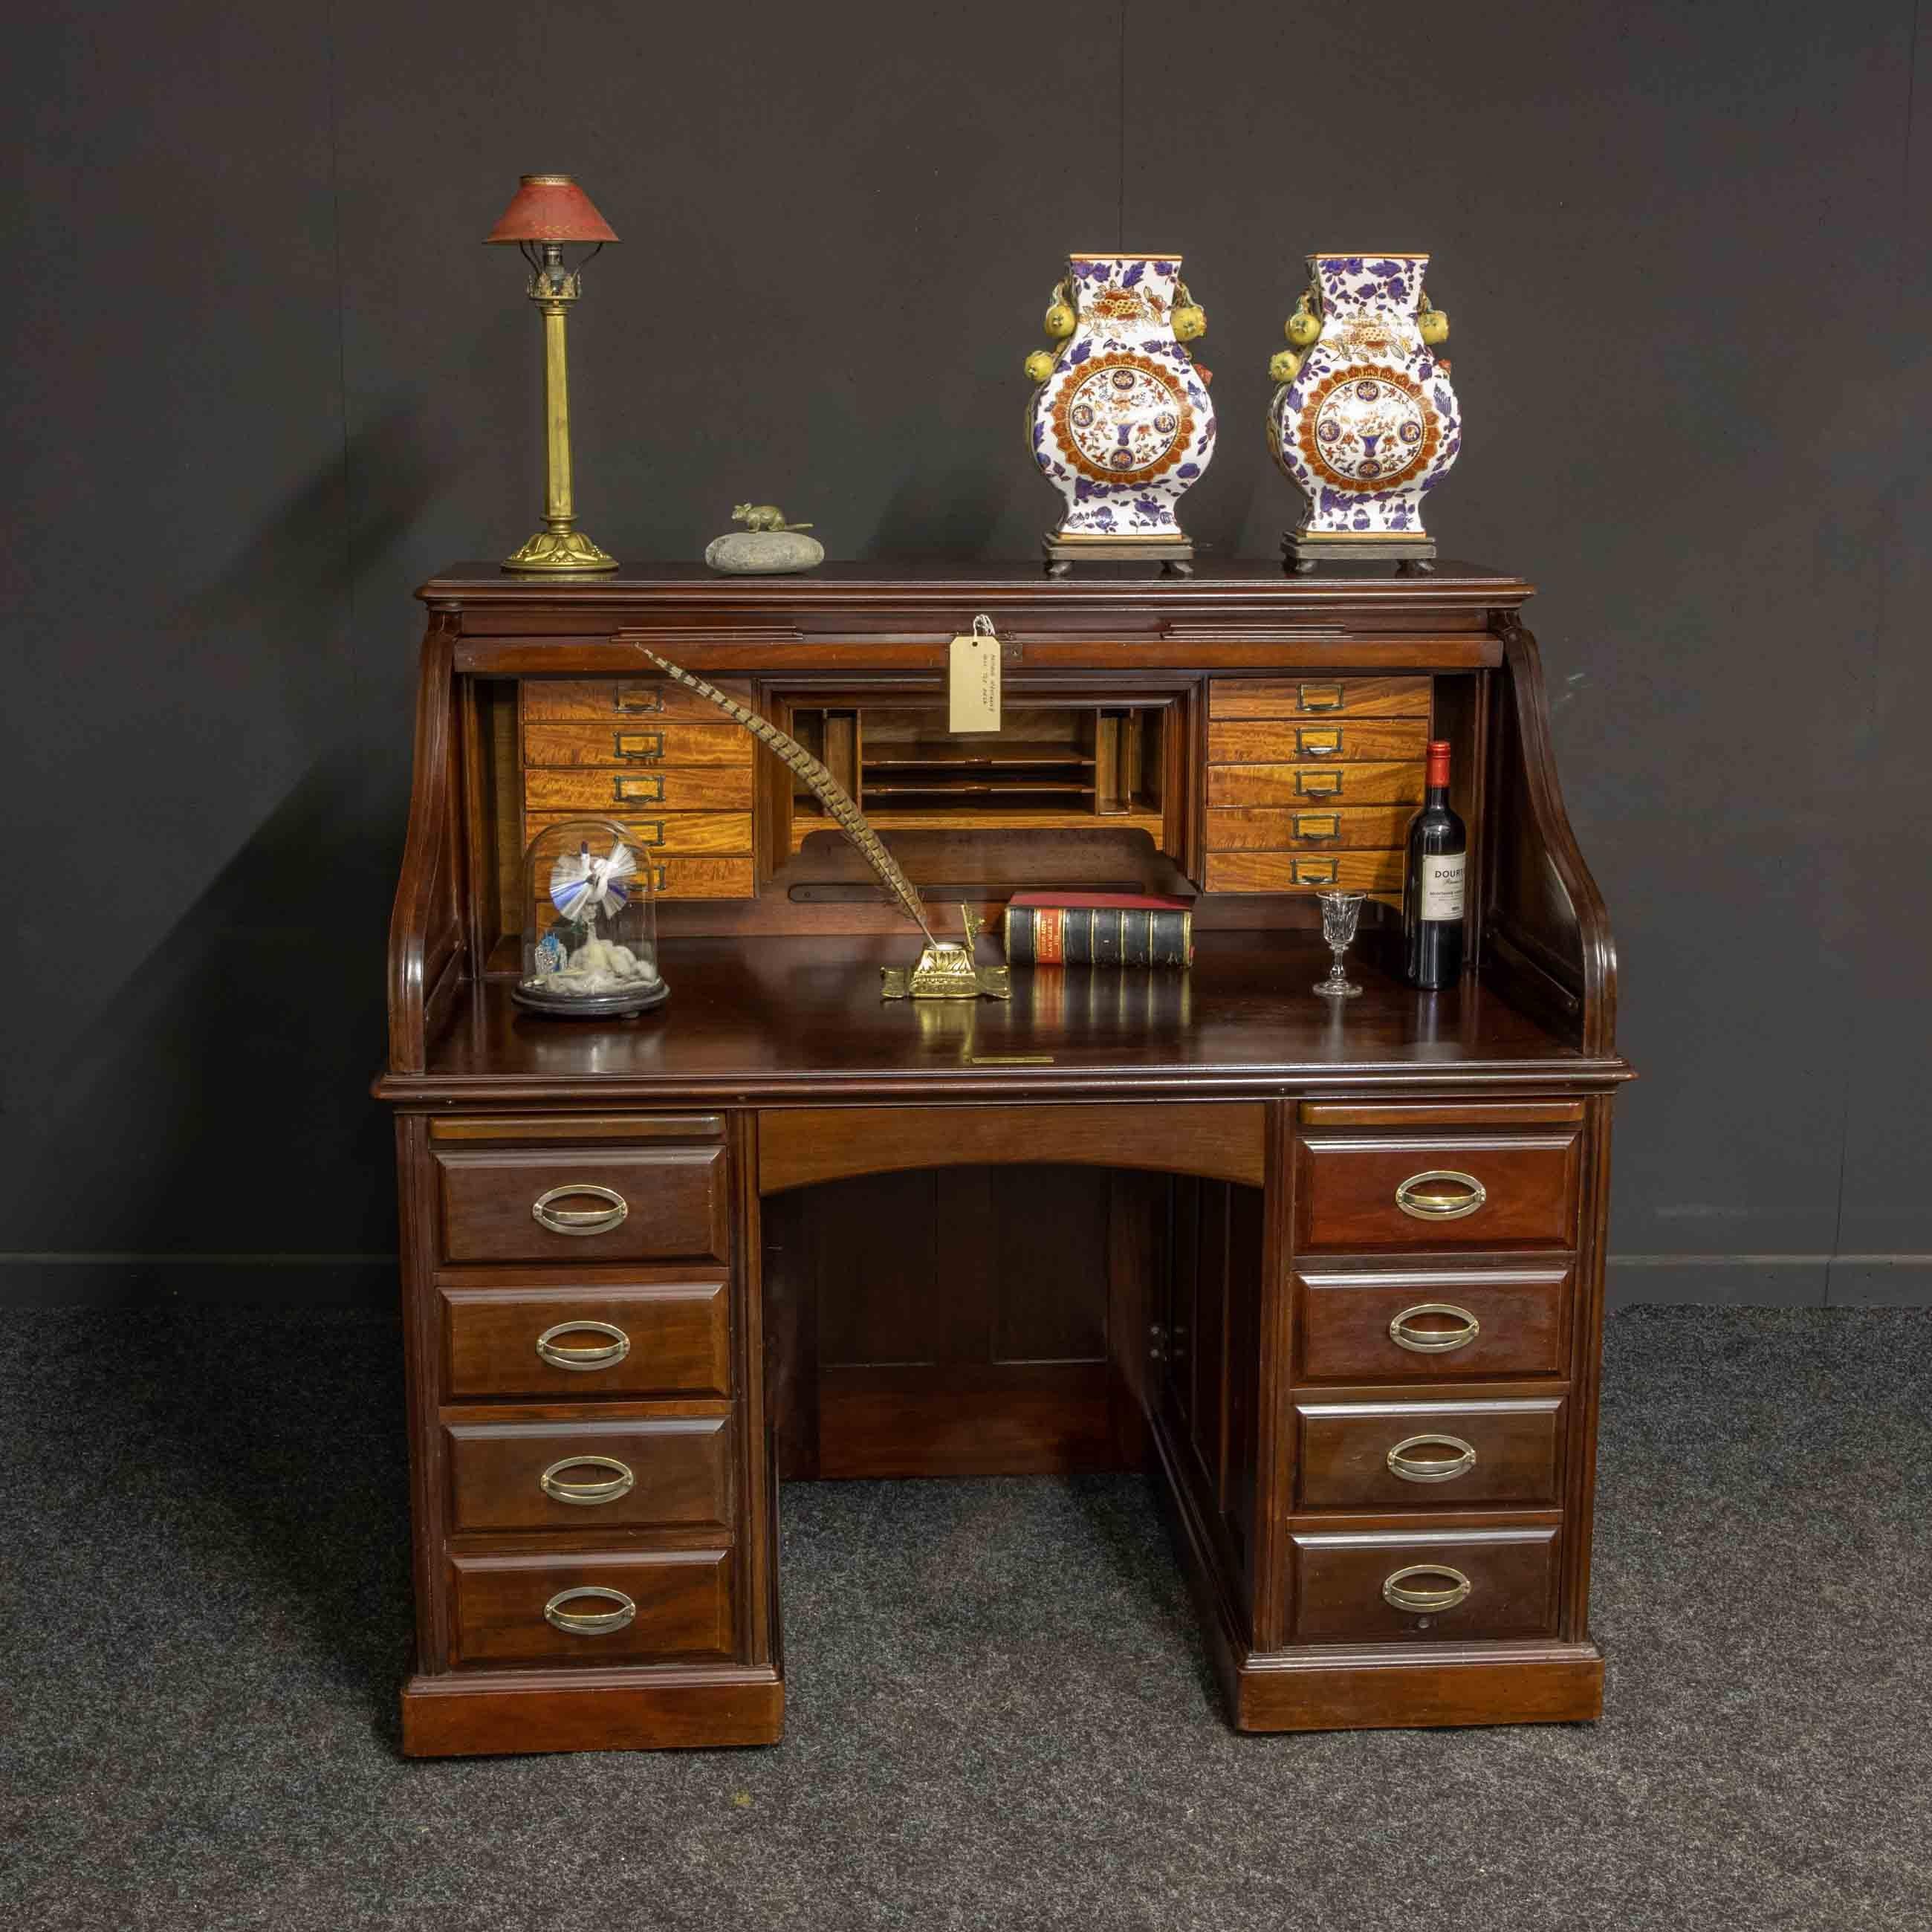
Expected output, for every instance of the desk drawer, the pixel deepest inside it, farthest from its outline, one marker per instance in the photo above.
(653, 832)
(1437, 1191)
(637, 1474)
(626, 746)
(1307, 828)
(670, 1338)
(1504, 1583)
(645, 1606)
(1317, 697)
(599, 1205)
(648, 698)
(1416, 1455)
(1378, 872)
(1281, 741)
(620, 795)
(1309, 784)
(1416, 1326)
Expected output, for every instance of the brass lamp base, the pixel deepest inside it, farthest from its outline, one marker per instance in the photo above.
(945, 972)
(560, 553)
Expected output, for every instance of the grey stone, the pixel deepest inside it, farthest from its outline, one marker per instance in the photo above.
(764, 552)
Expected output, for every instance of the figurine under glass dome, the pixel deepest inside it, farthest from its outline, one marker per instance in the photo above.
(590, 924)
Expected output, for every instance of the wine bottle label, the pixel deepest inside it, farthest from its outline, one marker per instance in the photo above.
(1442, 885)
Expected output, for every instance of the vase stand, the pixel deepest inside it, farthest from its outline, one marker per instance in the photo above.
(1175, 555)
(1302, 551)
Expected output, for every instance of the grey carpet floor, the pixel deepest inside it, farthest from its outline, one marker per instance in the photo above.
(1000, 1714)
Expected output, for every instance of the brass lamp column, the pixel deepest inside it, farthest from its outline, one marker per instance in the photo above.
(548, 211)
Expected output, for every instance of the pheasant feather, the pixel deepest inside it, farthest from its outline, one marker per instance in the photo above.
(829, 793)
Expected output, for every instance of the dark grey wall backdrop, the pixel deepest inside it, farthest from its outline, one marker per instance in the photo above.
(264, 379)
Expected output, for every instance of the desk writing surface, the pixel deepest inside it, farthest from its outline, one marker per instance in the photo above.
(799, 1019)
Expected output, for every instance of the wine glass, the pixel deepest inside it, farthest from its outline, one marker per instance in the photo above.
(1340, 913)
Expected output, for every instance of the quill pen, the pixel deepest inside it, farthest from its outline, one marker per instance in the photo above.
(829, 793)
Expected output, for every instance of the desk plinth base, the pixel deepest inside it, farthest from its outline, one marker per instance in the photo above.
(1343, 1687)
(481, 1714)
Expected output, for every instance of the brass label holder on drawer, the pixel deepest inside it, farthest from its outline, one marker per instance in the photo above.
(647, 791)
(1321, 696)
(1317, 784)
(1319, 826)
(1314, 871)
(1319, 741)
(638, 744)
(637, 700)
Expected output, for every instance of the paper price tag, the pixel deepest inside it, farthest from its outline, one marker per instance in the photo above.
(972, 680)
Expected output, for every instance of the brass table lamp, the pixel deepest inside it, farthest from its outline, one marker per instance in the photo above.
(548, 211)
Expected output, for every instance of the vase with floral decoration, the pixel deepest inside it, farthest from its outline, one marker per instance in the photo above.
(1363, 422)
(1120, 424)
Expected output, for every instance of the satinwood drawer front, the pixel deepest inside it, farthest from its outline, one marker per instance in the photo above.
(673, 1473)
(1437, 1191)
(1303, 871)
(1420, 1584)
(1282, 741)
(593, 1609)
(672, 1338)
(571, 698)
(600, 1205)
(1411, 1455)
(551, 795)
(1310, 785)
(1308, 828)
(636, 745)
(1319, 697)
(652, 833)
(1414, 1325)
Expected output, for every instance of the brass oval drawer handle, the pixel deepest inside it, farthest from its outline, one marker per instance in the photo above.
(595, 1623)
(1398, 1598)
(1431, 1468)
(1441, 1194)
(583, 1359)
(1434, 1341)
(579, 1220)
(619, 1482)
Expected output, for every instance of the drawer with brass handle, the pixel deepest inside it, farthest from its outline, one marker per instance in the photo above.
(1359, 1325)
(671, 1338)
(1449, 1190)
(595, 1204)
(631, 1473)
(687, 876)
(1273, 741)
(622, 1607)
(1312, 784)
(629, 746)
(546, 699)
(1411, 1455)
(550, 795)
(1390, 1586)
(653, 832)
(1377, 872)
(1319, 697)
(1310, 826)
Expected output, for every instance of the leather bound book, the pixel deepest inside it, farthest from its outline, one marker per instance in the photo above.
(1098, 929)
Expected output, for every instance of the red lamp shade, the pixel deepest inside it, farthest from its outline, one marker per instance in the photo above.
(551, 208)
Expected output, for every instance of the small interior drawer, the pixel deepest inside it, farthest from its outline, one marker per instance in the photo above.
(1303, 871)
(653, 832)
(1396, 1586)
(1427, 1191)
(619, 794)
(1305, 828)
(1416, 1325)
(627, 744)
(669, 1473)
(1319, 697)
(645, 1605)
(1311, 783)
(669, 1338)
(546, 698)
(1418, 1455)
(1275, 741)
(593, 1204)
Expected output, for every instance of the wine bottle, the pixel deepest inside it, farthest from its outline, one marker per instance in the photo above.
(1432, 886)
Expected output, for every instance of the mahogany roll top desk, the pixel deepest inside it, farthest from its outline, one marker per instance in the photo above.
(1332, 1271)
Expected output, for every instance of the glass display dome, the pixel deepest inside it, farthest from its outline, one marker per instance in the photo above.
(590, 923)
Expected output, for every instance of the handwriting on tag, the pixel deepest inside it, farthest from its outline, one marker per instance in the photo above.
(972, 682)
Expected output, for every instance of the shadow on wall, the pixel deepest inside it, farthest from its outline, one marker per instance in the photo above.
(222, 1084)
